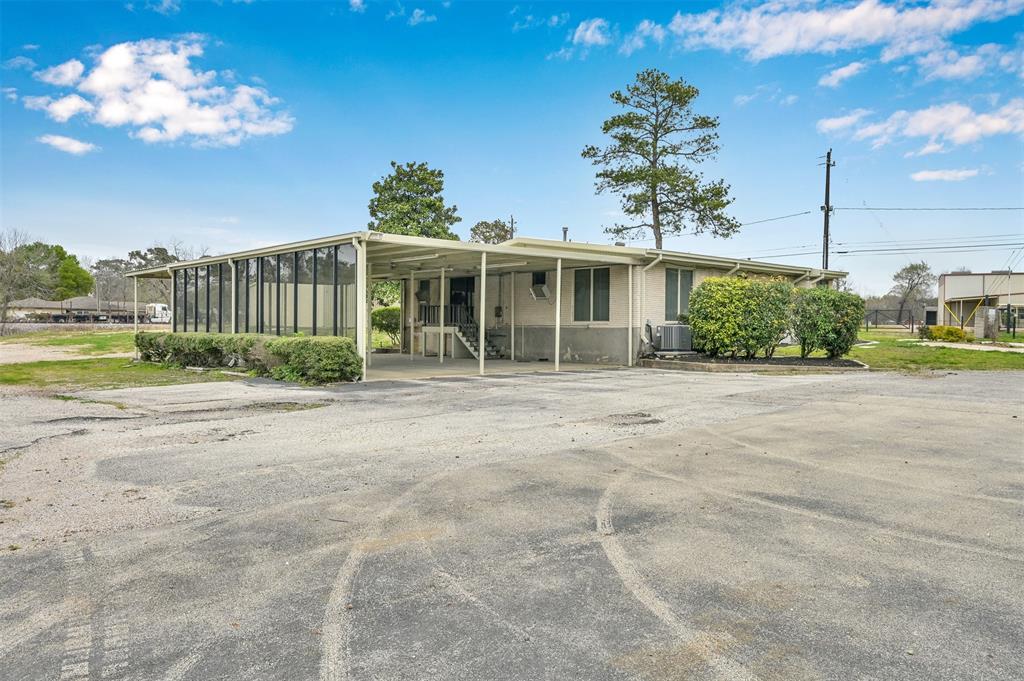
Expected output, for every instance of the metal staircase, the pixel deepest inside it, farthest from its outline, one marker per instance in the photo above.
(468, 332)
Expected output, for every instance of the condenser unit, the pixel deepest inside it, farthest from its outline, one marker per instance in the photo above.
(672, 337)
(540, 292)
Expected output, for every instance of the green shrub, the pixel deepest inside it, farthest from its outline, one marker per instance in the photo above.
(196, 349)
(306, 359)
(315, 359)
(924, 332)
(389, 321)
(716, 315)
(735, 315)
(767, 316)
(825, 319)
(948, 334)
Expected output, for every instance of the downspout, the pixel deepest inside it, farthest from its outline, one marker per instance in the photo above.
(734, 270)
(643, 292)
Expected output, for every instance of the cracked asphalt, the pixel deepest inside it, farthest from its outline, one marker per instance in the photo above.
(618, 524)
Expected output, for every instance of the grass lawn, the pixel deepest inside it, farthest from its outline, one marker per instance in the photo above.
(892, 353)
(89, 374)
(83, 342)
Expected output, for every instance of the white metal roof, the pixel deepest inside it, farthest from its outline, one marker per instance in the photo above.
(399, 256)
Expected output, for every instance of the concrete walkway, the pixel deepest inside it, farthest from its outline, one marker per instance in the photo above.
(396, 367)
(971, 346)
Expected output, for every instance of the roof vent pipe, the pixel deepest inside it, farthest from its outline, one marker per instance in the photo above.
(565, 233)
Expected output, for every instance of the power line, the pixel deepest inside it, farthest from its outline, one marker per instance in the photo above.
(781, 217)
(918, 249)
(878, 255)
(960, 248)
(933, 209)
(902, 244)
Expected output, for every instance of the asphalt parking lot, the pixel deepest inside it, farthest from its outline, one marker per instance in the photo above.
(619, 524)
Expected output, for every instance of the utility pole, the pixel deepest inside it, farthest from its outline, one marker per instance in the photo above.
(826, 209)
(512, 226)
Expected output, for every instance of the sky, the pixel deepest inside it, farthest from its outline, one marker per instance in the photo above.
(230, 125)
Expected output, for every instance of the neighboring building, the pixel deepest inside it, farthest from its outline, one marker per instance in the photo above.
(963, 294)
(77, 309)
(543, 300)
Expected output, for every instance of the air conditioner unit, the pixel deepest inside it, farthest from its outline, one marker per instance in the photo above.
(540, 292)
(672, 337)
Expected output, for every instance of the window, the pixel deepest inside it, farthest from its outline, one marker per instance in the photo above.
(590, 295)
(678, 284)
(323, 291)
(304, 290)
(540, 279)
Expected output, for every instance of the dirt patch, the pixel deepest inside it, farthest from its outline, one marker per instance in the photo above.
(636, 418)
(21, 353)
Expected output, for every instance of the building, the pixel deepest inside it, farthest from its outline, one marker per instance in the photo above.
(542, 300)
(77, 309)
(963, 294)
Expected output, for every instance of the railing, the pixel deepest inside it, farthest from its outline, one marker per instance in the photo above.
(453, 314)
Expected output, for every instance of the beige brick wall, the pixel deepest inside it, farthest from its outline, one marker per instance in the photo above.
(530, 312)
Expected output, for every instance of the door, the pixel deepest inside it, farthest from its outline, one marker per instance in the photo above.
(460, 299)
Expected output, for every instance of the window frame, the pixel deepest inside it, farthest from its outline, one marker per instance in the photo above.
(679, 291)
(592, 290)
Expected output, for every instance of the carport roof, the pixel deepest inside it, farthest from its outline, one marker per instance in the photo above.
(399, 256)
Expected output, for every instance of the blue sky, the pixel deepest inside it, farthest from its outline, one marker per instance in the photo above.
(237, 124)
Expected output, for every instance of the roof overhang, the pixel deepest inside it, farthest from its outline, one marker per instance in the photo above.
(398, 256)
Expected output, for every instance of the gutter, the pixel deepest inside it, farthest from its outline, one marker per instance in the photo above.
(661, 256)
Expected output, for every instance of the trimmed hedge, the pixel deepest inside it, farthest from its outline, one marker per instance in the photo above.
(949, 334)
(306, 359)
(738, 316)
(197, 349)
(826, 319)
(735, 315)
(315, 359)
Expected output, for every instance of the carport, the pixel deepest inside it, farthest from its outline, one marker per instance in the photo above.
(415, 260)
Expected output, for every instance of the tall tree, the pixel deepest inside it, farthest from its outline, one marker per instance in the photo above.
(16, 276)
(656, 143)
(409, 201)
(910, 284)
(51, 272)
(490, 232)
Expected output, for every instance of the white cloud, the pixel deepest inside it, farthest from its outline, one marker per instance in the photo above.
(533, 21)
(792, 27)
(566, 53)
(952, 123)
(165, 6)
(10, 94)
(556, 20)
(644, 31)
(20, 62)
(950, 64)
(743, 100)
(357, 5)
(836, 76)
(927, 149)
(770, 93)
(419, 16)
(68, 144)
(151, 87)
(29, 47)
(62, 109)
(827, 125)
(67, 73)
(592, 33)
(943, 175)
